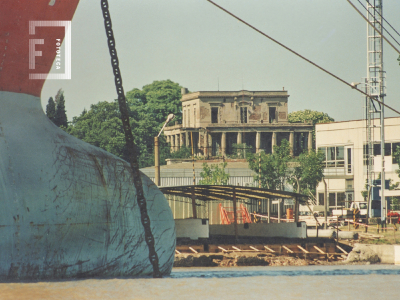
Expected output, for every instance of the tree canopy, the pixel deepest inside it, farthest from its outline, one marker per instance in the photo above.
(279, 169)
(148, 108)
(156, 100)
(51, 109)
(60, 118)
(272, 169)
(55, 110)
(214, 174)
(308, 172)
(308, 115)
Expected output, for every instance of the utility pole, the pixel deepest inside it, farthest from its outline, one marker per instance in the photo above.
(375, 86)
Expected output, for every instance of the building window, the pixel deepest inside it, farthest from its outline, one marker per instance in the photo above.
(194, 117)
(390, 149)
(321, 199)
(272, 114)
(341, 199)
(337, 200)
(243, 115)
(332, 199)
(188, 118)
(214, 114)
(349, 160)
(334, 156)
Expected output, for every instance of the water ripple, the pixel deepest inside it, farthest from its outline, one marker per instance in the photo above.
(302, 272)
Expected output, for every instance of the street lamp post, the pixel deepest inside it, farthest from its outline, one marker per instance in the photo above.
(157, 151)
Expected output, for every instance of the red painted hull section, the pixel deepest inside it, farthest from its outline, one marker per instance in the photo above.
(14, 41)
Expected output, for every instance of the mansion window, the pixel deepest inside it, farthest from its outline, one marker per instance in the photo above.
(214, 114)
(243, 115)
(272, 114)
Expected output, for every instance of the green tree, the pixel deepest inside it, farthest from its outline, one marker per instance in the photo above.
(214, 174)
(396, 156)
(183, 152)
(240, 151)
(272, 169)
(101, 126)
(308, 115)
(156, 100)
(148, 109)
(60, 118)
(51, 109)
(308, 172)
(395, 201)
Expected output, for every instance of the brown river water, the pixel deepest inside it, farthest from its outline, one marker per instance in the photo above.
(308, 282)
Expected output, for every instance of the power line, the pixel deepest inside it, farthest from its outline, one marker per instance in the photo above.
(377, 30)
(378, 22)
(384, 18)
(309, 61)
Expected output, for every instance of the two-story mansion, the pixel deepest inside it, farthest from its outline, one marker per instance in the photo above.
(217, 120)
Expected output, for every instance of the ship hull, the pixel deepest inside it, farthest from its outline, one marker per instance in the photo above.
(68, 208)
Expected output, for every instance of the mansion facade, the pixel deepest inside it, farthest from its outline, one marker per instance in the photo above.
(216, 121)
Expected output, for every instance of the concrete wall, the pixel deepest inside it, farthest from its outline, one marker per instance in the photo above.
(286, 230)
(396, 254)
(385, 252)
(192, 228)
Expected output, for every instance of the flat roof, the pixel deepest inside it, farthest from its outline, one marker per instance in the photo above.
(226, 192)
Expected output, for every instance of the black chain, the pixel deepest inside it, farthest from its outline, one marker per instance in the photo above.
(133, 152)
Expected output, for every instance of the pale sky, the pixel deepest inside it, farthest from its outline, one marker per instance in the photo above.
(202, 48)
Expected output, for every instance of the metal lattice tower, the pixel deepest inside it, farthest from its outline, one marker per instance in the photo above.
(375, 86)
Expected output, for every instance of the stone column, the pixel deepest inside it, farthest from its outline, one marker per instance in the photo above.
(172, 140)
(258, 141)
(309, 146)
(223, 143)
(187, 138)
(206, 144)
(239, 138)
(176, 142)
(291, 142)
(209, 137)
(181, 143)
(273, 142)
(239, 141)
(279, 210)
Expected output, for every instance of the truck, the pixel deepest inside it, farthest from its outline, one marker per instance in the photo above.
(347, 213)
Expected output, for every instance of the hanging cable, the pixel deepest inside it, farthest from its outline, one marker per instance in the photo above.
(377, 30)
(309, 61)
(133, 152)
(378, 21)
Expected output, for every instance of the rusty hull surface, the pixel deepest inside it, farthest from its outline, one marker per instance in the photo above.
(68, 208)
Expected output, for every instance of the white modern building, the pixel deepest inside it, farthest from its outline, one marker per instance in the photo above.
(344, 145)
